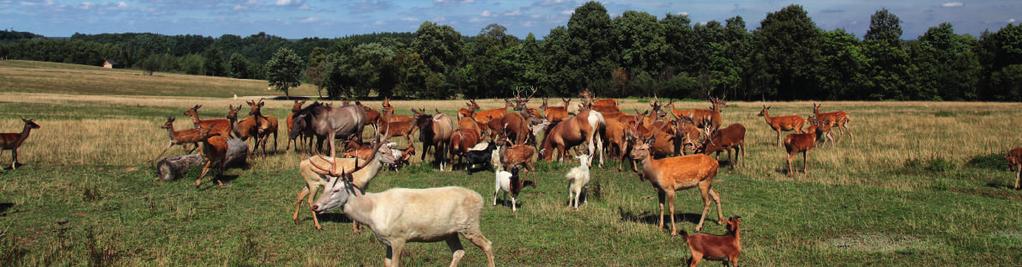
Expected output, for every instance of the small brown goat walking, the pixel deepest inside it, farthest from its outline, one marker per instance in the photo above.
(725, 247)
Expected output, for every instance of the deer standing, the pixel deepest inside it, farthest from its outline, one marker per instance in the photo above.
(801, 143)
(837, 119)
(220, 127)
(267, 125)
(291, 124)
(1015, 161)
(12, 141)
(782, 123)
(672, 174)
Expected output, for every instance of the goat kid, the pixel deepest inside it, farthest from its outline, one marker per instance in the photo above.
(578, 177)
(725, 247)
(509, 182)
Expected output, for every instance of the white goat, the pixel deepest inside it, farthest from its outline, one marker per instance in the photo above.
(400, 215)
(507, 182)
(578, 177)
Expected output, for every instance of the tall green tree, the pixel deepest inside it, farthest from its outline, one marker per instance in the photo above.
(840, 72)
(786, 47)
(440, 47)
(641, 42)
(214, 64)
(591, 43)
(889, 63)
(946, 64)
(315, 73)
(284, 70)
(239, 66)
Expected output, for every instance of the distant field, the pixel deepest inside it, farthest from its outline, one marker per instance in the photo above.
(920, 183)
(47, 77)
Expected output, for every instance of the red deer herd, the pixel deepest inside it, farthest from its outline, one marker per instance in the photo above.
(656, 146)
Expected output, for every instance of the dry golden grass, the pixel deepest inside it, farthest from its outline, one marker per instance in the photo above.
(886, 134)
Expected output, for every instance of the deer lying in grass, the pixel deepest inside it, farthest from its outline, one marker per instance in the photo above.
(725, 247)
(578, 177)
(398, 216)
(12, 141)
(782, 123)
(801, 143)
(220, 127)
(837, 119)
(318, 171)
(182, 137)
(1015, 161)
(729, 138)
(672, 174)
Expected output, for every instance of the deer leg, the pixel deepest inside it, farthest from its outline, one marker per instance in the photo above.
(788, 161)
(220, 172)
(330, 139)
(514, 203)
(696, 257)
(479, 240)
(457, 251)
(298, 203)
(660, 194)
(274, 142)
(716, 199)
(205, 169)
(1018, 177)
(704, 190)
(14, 158)
(670, 202)
(742, 145)
(805, 162)
(396, 246)
(308, 199)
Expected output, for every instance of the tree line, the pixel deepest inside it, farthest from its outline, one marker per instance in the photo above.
(636, 54)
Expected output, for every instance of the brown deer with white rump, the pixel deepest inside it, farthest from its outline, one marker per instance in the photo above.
(11, 141)
(725, 247)
(782, 123)
(1015, 161)
(801, 143)
(669, 175)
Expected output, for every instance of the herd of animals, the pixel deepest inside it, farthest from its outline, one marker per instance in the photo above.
(656, 144)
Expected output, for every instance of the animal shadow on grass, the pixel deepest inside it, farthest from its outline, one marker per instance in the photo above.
(8, 167)
(226, 178)
(506, 202)
(4, 207)
(332, 217)
(989, 161)
(652, 218)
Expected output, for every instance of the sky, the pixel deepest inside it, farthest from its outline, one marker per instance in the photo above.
(328, 19)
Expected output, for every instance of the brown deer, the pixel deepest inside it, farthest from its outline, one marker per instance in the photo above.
(182, 137)
(12, 141)
(729, 138)
(372, 116)
(435, 132)
(707, 119)
(672, 174)
(1015, 161)
(555, 114)
(837, 119)
(601, 105)
(801, 143)
(688, 133)
(462, 140)
(716, 247)
(782, 123)
(214, 150)
(516, 155)
(291, 124)
(618, 134)
(220, 127)
(483, 117)
(267, 125)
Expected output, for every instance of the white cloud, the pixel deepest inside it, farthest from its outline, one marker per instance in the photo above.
(310, 19)
(486, 13)
(122, 5)
(512, 13)
(288, 2)
(683, 13)
(1011, 20)
(86, 5)
(568, 12)
(952, 4)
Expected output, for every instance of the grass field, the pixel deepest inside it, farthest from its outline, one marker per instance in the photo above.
(920, 183)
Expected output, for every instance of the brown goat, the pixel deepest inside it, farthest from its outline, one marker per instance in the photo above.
(725, 247)
(782, 123)
(220, 127)
(11, 141)
(1015, 161)
(672, 174)
(729, 138)
(800, 143)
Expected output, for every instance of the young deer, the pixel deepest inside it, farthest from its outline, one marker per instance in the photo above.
(220, 127)
(782, 123)
(672, 174)
(291, 124)
(837, 119)
(728, 138)
(801, 143)
(267, 125)
(716, 247)
(11, 141)
(1015, 161)
(182, 137)
(214, 150)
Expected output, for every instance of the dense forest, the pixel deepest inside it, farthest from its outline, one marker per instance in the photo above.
(636, 54)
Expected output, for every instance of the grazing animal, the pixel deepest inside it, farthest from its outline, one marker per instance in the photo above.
(672, 174)
(514, 125)
(584, 127)
(837, 119)
(480, 157)
(220, 127)
(329, 123)
(399, 215)
(725, 247)
(12, 141)
(188, 136)
(1015, 161)
(435, 132)
(319, 171)
(782, 123)
(291, 123)
(578, 177)
(707, 119)
(729, 138)
(267, 125)
(397, 126)
(555, 114)
(801, 143)
(214, 150)
(509, 182)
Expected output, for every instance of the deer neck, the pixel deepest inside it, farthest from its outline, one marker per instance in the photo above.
(766, 116)
(360, 208)
(170, 133)
(195, 118)
(24, 134)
